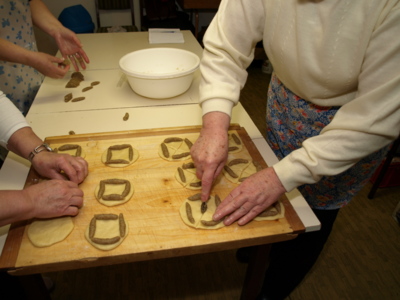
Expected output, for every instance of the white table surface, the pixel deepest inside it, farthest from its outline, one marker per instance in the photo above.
(112, 98)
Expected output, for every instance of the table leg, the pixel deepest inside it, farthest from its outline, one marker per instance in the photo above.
(255, 272)
(34, 287)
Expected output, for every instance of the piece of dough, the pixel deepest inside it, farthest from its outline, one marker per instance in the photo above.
(71, 149)
(235, 143)
(186, 175)
(239, 169)
(200, 217)
(274, 212)
(116, 188)
(119, 156)
(44, 233)
(105, 228)
(175, 149)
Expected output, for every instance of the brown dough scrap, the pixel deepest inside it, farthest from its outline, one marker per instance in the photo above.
(75, 81)
(119, 156)
(235, 142)
(77, 99)
(175, 149)
(198, 214)
(78, 75)
(68, 97)
(274, 212)
(112, 192)
(87, 89)
(66, 62)
(71, 149)
(239, 169)
(186, 176)
(107, 231)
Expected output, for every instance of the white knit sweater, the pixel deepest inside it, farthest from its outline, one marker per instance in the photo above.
(330, 52)
(11, 119)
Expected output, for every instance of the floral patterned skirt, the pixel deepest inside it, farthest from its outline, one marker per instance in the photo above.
(290, 121)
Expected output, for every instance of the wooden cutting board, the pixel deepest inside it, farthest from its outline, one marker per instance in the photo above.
(155, 227)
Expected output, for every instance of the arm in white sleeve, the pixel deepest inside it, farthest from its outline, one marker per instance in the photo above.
(11, 119)
(229, 44)
(365, 124)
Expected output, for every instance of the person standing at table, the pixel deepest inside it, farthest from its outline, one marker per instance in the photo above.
(47, 199)
(333, 110)
(22, 67)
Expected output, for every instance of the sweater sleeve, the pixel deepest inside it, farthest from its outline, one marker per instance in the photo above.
(11, 119)
(229, 44)
(365, 124)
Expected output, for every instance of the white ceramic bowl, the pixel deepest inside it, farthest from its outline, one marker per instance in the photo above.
(160, 73)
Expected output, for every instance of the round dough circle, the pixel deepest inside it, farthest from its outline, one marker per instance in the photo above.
(198, 215)
(135, 158)
(243, 170)
(44, 233)
(190, 176)
(104, 232)
(175, 148)
(113, 202)
(280, 214)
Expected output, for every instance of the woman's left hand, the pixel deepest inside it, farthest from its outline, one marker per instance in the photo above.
(52, 165)
(71, 48)
(250, 198)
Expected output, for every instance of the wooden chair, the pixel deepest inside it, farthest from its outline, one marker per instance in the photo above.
(113, 5)
(393, 152)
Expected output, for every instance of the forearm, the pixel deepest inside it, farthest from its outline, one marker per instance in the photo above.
(23, 141)
(14, 207)
(216, 121)
(14, 53)
(43, 18)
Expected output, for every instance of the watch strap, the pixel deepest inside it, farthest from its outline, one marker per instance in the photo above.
(39, 149)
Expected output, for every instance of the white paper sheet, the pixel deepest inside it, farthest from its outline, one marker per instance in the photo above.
(165, 36)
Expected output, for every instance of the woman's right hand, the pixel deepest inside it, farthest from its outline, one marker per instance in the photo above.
(49, 65)
(210, 151)
(54, 198)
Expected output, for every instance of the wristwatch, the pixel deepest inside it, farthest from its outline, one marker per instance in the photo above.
(39, 149)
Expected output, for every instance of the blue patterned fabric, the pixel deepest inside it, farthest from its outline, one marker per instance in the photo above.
(19, 82)
(290, 121)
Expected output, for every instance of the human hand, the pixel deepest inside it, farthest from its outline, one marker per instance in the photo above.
(48, 65)
(54, 198)
(51, 165)
(210, 151)
(250, 198)
(71, 48)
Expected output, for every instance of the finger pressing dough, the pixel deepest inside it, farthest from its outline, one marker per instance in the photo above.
(111, 192)
(120, 156)
(274, 212)
(198, 214)
(107, 231)
(239, 169)
(44, 233)
(71, 149)
(175, 149)
(235, 143)
(186, 175)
